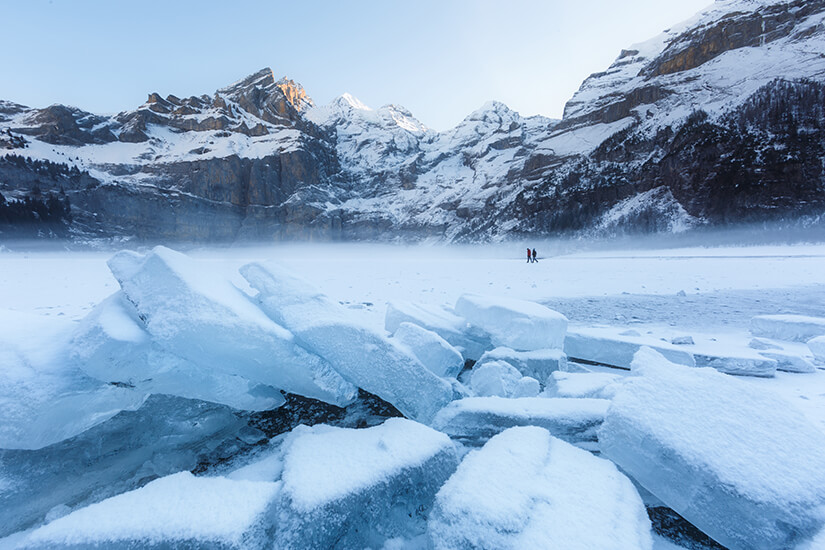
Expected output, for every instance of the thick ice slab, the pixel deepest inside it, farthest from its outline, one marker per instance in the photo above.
(789, 362)
(476, 419)
(738, 462)
(361, 355)
(112, 345)
(43, 398)
(582, 384)
(538, 364)
(609, 347)
(347, 488)
(165, 435)
(494, 378)
(470, 341)
(200, 316)
(794, 328)
(180, 510)
(743, 362)
(432, 350)
(817, 346)
(527, 489)
(516, 324)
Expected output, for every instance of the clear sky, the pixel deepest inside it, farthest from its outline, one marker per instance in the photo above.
(440, 59)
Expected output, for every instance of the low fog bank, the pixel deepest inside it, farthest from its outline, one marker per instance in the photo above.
(807, 231)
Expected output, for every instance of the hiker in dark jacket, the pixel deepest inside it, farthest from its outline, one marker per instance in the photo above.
(534, 255)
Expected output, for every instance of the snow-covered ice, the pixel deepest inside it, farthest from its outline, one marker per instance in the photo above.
(199, 315)
(176, 511)
(348, 488)
(538, 364)
(527, 489)
(517, 324)
(795, 328)
(445, 323)
(364, 357)
(738, 462)
(477, 419)
(494, 378)
(432, 350)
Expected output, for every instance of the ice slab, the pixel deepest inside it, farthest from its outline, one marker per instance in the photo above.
(432, 350)
(346, 488)
(476, 419)
(538, 364)
(743, 362)
(470, 341)
(112, 345)
(789, 362)
(196, 313)
(577, 385)
(177, 511)
(165, 435)
(608, 347)
(494, 378)
(817, 347)
(43, 398)
(794, 328)
(738, 462)
(516, 324)
(527, 489)
(361, 355)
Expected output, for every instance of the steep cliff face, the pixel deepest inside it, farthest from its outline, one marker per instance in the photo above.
(717, 120)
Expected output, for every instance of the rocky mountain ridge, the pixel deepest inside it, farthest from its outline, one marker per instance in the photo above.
(717, 120)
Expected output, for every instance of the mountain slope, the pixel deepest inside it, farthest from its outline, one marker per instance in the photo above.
(717, 120)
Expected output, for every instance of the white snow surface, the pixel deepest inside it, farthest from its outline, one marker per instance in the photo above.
(599, 385)
(527, 489)
(176, 509)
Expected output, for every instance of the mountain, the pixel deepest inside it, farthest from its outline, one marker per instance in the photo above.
(718, 120)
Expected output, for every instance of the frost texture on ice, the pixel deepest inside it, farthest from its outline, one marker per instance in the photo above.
(112, 345)
(43, 399)
(200, 316)
(432, 350)
(794, 328)
(471, 341)
(538, 364)
(817, 346)
(180, 510)
(582, 384)
(617, 350)
(739, 463)
(476, 419)
(516, 324)
(347, 488)
(361, 355)
(527, 489)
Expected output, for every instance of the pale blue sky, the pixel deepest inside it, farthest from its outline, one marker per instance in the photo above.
(440, 59)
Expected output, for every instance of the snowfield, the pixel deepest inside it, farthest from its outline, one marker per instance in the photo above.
(599, 348)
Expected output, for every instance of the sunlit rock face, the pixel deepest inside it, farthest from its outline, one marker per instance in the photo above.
(718, 120)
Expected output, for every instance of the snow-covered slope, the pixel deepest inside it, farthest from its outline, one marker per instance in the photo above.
(719, 119)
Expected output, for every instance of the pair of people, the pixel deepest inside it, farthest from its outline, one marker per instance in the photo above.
(531, 255)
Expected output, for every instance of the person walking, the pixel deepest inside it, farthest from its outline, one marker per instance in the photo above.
(529, 257)
(534, 255)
